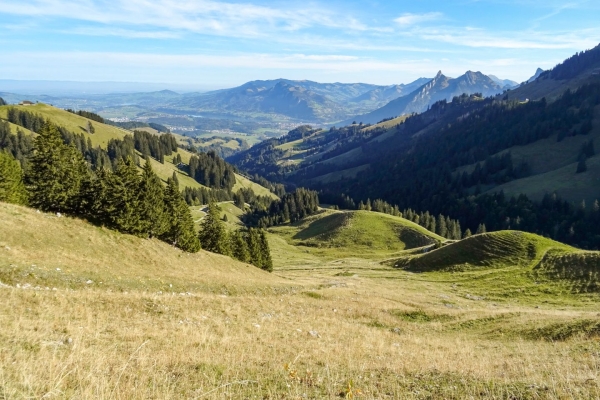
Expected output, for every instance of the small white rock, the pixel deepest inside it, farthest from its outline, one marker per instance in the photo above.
(256, 325)
(89, 282)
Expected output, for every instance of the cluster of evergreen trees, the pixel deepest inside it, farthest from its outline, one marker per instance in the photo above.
(574, 65)
(249, 246)
(155, 146)
(19, 145)
(87, 114)
(212, 171)
(290, 208)
(26, 119)
(133, 125)
(58, 179)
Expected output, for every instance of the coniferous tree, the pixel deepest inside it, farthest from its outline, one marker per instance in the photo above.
(152, 204)
(441, 228)
(180, 231)
(467, 234)
(213, 235)
(254, 247)
(123, 201)
(56, 172)
(480, 229)
(266, 261)
(239, 246)
(12, 189)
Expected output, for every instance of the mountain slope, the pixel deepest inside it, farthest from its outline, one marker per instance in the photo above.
(440, 88)
(581, 68)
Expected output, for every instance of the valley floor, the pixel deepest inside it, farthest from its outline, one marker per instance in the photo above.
(338, 327)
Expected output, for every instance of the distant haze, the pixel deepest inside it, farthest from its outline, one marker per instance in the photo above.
(73, 88)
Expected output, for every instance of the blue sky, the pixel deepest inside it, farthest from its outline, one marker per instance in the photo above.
(213, 43)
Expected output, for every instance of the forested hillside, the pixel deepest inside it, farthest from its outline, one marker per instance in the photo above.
(457, 157)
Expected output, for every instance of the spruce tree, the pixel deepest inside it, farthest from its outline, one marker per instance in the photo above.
(56, 172)
(213, 235)
(480, 229)
(152, 205)
(467, 234)
(266, 261)
(123, 203)
(254, 247)
(239, 246)
(180, 225)
(441, 228)
(12, 189)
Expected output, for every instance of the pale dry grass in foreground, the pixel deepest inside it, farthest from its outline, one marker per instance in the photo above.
(95, 344)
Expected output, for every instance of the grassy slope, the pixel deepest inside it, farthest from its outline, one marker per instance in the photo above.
(564, 181)
(317, 330)
(553, 165)
(72, 122)
(15, 128)
(550, 88)
(387, 124)
(33, 251)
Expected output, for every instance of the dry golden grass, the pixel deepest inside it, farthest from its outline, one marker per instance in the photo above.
(349, 328)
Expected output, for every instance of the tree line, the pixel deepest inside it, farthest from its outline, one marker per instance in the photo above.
(291, 207)
(87, 114)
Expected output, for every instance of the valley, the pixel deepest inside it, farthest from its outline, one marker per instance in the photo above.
(290, 239)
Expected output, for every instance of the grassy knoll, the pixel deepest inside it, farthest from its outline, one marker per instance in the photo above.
(325, 329)
(369, 234)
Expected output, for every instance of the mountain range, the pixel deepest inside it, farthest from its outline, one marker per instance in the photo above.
(440, 87)
(284, 99)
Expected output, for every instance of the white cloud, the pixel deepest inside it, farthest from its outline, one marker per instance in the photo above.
(409, 19)
(211, 17)
(480, 38)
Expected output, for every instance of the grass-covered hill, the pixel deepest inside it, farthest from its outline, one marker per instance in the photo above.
(104, 133)
(42, 249)
(512, 256)
(355, 233)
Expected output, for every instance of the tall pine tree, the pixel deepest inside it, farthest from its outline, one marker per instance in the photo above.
(213, 235)
(56, 172)
(122, 202)
(152, 204)
(12, 189)
(180, 225)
